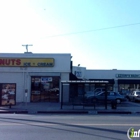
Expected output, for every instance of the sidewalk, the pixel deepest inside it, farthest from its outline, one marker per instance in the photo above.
(47, 107)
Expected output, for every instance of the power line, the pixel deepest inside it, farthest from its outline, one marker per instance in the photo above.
(94, 30)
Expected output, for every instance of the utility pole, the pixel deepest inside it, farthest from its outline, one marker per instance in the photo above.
(26, 45)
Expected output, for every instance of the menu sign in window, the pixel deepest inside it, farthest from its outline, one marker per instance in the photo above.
(8, 94)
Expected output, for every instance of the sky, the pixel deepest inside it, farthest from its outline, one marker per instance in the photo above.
(99, 34)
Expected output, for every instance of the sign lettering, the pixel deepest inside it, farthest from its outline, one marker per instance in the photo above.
(26, 62)
(128, 75)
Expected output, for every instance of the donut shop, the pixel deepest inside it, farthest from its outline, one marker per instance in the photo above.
(29, 77)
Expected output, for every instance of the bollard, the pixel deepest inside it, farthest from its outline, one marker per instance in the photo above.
(114, 104)
(10, 105)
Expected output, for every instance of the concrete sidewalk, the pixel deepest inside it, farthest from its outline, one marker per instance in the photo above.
(47, 107)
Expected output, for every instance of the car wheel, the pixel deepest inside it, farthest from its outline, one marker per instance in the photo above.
(118, 101)
(128, 98)
(134, 99)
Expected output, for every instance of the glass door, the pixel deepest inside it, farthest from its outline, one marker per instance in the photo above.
(45, 89)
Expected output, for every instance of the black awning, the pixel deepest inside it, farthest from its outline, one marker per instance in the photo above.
(111, 81)
(72, 77)
(128, 81)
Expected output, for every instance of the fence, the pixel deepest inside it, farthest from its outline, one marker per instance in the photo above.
(76, 93)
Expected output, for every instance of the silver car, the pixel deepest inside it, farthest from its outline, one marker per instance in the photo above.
(111, 96)
(134, 96)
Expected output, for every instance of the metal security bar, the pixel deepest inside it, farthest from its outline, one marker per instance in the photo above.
(76, 82)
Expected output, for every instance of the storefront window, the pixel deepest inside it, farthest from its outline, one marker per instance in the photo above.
(128, 88)
(80, 89)
(87, 87)
(45, 89)
(8, 94)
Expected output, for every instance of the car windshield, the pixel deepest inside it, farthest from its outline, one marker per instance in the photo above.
(117, 93)
(138, 93)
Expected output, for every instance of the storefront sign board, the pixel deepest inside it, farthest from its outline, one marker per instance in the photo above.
(26, 62)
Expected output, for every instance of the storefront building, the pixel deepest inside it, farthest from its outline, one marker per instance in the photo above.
(28, 77)
(123, 81)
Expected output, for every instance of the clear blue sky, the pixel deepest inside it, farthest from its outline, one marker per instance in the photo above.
(36, 21)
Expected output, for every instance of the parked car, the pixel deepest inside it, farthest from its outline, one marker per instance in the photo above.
(133, 96)
(111, 96)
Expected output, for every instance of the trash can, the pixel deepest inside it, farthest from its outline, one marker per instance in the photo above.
(114, 104)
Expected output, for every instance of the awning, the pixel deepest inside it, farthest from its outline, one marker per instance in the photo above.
(72, 77)
(128, 81)
(111, 81)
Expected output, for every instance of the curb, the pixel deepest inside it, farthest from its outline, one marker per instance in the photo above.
(114, 112)
(66, 112)
(62, 112)
(14, 112)
(85, 112)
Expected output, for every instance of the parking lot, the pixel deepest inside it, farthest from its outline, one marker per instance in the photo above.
(129, 104)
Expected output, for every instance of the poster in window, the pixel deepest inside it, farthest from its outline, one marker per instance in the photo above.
(8, 94)
(46, 79)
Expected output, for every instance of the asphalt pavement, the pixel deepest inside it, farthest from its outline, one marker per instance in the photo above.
(55, 108)
(67, 127)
